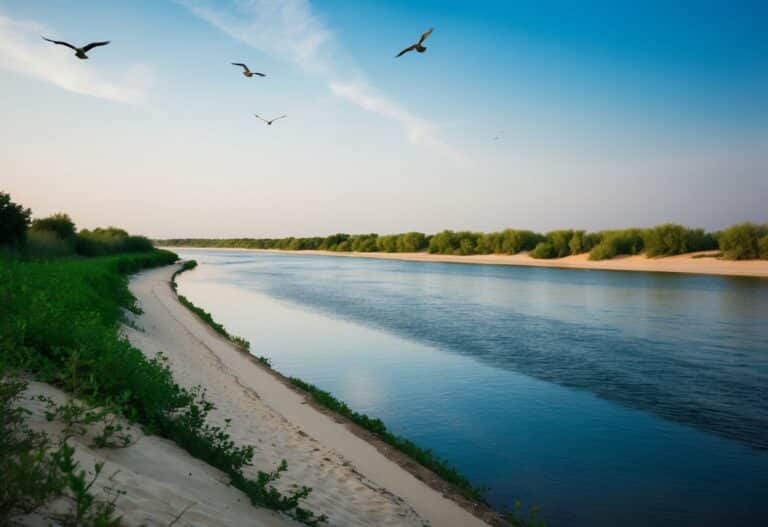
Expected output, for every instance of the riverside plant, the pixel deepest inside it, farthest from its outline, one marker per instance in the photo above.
(60, 322)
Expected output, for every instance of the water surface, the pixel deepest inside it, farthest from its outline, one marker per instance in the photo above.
(606, 398)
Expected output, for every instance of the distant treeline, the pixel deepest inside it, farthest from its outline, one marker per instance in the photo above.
(744, 241)
(56, 236)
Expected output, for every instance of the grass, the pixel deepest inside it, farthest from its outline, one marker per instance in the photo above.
(374, 425)
(60, 322)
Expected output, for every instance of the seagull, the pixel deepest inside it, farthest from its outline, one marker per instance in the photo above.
(79, 52)
(418, 46)
(271, 120)
(498, 135)
(247, 72)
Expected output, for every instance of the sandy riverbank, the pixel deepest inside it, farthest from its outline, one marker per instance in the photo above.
(163, 484)
(353, 482)
(683, 263)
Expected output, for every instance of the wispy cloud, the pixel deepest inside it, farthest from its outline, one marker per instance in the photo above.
(22, 51)
(289, 29)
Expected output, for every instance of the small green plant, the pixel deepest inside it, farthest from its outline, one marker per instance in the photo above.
(265, 361)
(517, 518)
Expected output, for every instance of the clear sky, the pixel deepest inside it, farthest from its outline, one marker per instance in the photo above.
(608, 114)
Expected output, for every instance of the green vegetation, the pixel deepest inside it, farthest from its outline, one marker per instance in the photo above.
(37, 469)
(60, 323)
(745, 241)
(738, 242)
(14, 222)
(670, 239)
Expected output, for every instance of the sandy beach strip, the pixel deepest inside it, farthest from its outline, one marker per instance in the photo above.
(353, 482)
(691, 263)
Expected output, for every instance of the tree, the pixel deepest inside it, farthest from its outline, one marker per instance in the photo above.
(59, 223)
(14, 221)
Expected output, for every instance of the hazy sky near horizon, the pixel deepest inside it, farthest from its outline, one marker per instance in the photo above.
(609, 114)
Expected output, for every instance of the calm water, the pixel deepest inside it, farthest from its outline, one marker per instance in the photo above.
(606, 398)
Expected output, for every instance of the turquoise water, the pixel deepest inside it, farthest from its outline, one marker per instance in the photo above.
(605, 398)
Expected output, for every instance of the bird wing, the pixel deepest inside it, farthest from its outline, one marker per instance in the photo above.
(259, 74)
(425, 35)
(260, 117)
(60, 43)
(406, 50)
(95, 45)
(241, 65)
(276, 118)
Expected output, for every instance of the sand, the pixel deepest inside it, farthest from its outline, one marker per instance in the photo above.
(160, 480)
(353, 482)
(683, 263)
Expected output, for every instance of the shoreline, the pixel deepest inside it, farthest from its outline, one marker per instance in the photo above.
(690, 263)
(357, 478)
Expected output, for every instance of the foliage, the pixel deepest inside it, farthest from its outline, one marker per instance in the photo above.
(102, 242)
(14, 221)
(662, 240)
(613, 243)
(36, 470)
(376, 426)
(762, 246)
(44, 245)
(60, 224)
(60, 322)
(742, 241)
(670, 239)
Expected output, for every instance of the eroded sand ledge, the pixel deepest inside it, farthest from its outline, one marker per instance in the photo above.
(353, 483)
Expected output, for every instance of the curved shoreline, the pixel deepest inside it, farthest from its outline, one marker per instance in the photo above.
(351, 470)
(690, 263)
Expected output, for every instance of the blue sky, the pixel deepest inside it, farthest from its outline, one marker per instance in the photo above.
(613, 114)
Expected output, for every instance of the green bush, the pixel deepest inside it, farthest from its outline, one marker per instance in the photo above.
(59, 223)
(742, 241)
(670, 239)
(543, 250)
(614, 243)
(14, 222)
(762, 246)
(44, 245)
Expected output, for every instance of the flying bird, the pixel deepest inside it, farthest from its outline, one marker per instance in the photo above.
(271, 120)
(79, 52)
(246, 71)
(418, 46)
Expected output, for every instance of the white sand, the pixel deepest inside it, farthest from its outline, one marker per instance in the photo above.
(682, 263)
(354, 484)
(160, 480)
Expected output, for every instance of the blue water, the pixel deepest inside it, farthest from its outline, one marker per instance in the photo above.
(605, 398)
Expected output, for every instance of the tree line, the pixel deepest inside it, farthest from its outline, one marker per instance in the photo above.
(743, 241)
(57, 236)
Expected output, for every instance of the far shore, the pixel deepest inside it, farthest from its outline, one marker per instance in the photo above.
(692, 263)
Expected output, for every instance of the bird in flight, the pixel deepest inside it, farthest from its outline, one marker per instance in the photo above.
(417, 46)
(271, 120)
(79, 52)
(246, 71)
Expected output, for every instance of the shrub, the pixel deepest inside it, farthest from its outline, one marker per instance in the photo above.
(14, 221)
(543, 250)
(59, 223)
(613, 243)
(44, 245)
(762, 246)
(741, 242)
(670, 239)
